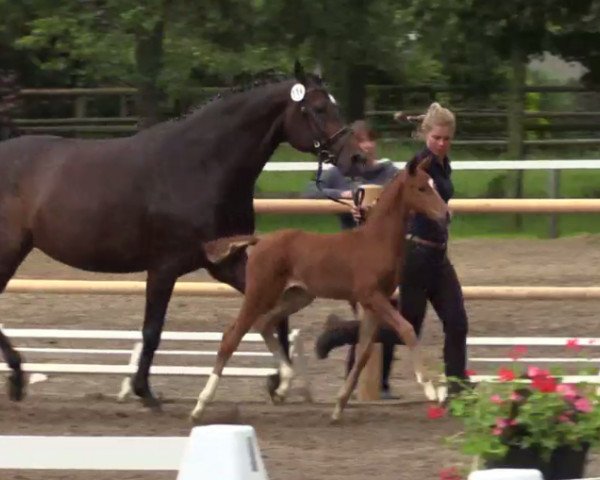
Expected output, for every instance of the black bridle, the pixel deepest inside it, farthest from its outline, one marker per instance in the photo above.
(323, 143)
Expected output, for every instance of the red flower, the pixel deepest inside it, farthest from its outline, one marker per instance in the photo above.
(450, 473)
(435, 412)
(544, 384)
(506, 374)
(470, 372)
(573, 344)
(517, 352)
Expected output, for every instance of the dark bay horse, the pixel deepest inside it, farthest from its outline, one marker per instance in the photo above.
(148, 202)
(288, 269)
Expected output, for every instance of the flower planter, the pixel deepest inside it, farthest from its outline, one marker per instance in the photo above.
(565, 462)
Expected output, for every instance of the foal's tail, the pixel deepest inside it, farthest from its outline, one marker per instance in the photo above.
(218, 250)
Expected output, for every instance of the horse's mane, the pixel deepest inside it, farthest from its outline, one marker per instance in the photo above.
(245, 82)
(241, 83)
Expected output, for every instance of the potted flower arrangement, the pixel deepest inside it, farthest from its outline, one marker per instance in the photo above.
(529, 420)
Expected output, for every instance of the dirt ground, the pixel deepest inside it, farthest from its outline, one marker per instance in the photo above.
(388, 440)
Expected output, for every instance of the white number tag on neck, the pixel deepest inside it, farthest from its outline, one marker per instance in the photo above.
(297, 92)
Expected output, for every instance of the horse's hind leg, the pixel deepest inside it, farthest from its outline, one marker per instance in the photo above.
(258, 301)
(369, 331)
(229, 343)
(293, 300)
(11, 256)
(159, 288)
(232, 271)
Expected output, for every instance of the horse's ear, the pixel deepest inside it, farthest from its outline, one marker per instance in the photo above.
(318, 71)
(412, 166)
(425, 163)
(299, 72)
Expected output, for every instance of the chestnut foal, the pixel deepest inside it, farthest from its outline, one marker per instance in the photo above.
(288, 269)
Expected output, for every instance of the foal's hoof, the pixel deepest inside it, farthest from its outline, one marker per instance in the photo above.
(273, 383)
(196, 416)
(336, 418)
(430, 391)
(16, 386)
(277, 398)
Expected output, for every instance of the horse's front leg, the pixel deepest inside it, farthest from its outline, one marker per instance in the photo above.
(404, 329)
(159, 287)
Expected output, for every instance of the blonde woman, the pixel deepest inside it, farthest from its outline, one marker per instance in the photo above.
(428, 273)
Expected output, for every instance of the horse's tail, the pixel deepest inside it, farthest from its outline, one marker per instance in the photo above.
(218, 250)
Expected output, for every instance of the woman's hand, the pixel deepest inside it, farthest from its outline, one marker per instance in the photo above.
(358, 213)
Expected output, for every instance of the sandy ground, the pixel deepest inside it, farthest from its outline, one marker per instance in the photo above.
(388, 440)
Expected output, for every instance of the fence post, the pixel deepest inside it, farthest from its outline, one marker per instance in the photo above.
(554, 192)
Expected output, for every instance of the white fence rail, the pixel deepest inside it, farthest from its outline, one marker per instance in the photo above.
(573, 344)
(132, 356)
(553, 164)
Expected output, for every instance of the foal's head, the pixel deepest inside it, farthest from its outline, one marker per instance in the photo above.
(312, 123)
(420, 194)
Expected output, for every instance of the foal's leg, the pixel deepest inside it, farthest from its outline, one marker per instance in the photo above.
(159, 287)
(294, 299)
(369, 332)
(12, 252)
(257, 301)
(232, 271)
(286, 372)
(229, 343)
(390, 316)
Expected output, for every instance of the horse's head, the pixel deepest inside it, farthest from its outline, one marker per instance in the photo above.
(420, 193)
(313, 124)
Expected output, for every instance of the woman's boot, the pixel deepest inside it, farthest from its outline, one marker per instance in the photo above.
(337, 333)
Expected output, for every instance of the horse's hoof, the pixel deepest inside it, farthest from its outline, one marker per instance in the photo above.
(277, 398)
(153, 403)
(16, 386)
(273, 383)
(335, 419)
(430, 391)
(196, 417)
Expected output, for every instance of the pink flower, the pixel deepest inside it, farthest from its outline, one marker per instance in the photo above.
(583, 405)
(573, 344)
(567, 391)
(517, 352)
(501, 424)
(496, 399)
(564, 418)
(505, 422)
(535, 372)
(515, 397)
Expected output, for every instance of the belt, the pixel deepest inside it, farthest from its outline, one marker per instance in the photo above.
(427, 243)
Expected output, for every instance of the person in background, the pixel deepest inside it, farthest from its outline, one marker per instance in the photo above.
(335, 185)
(428, 274)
